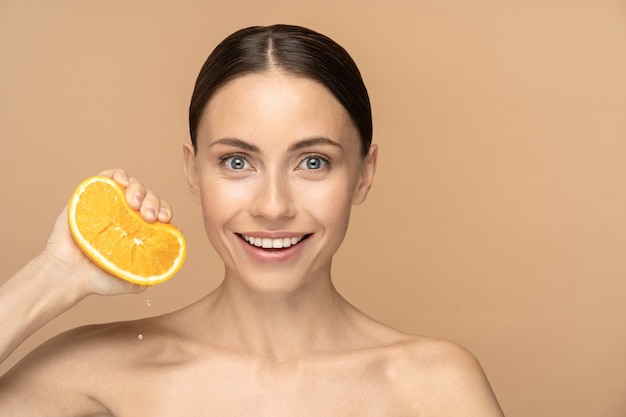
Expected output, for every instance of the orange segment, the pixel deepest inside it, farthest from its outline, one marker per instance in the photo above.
(115, 237)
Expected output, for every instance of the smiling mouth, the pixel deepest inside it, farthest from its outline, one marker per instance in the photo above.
(268, 243)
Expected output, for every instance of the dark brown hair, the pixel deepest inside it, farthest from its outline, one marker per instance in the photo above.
(293, 49)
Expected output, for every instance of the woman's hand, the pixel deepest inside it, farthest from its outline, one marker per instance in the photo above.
(61, 275)
(77, 273)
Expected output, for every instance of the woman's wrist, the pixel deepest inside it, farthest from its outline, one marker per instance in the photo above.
(40, 291)
(31, 298)
(57, 285)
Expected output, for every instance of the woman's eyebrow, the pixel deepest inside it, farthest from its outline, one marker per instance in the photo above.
(312, 142)
(237, 143)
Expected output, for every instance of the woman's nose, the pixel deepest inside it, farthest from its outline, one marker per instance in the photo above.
(273, 199)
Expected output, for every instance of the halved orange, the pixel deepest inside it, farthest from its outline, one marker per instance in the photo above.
(117, 239)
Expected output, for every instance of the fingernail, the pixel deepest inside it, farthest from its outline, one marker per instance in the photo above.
(138, 198)
(150, 214)
(163, 214)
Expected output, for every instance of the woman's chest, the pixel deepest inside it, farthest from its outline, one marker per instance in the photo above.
(229, 389)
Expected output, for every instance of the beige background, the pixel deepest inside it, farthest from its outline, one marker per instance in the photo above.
(498, 215)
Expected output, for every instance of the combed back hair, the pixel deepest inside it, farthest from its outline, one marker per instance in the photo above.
(293, 49)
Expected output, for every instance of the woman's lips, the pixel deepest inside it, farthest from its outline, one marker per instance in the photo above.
(272, 249)
(273, 243)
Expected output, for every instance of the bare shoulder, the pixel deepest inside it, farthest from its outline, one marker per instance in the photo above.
(446, 377)
(65, 375)
(47, 381)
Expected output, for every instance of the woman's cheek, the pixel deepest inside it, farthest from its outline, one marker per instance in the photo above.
(329, 202)
(222, 198)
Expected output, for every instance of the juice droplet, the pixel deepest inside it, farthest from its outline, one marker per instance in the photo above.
(140, 337)
(148, 303)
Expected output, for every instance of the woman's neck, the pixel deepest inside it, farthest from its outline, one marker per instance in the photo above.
(280, 326)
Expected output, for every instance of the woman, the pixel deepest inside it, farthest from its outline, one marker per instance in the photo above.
(280, 150)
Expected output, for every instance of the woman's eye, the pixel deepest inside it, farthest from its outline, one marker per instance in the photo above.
(236, 163)
(313, 163)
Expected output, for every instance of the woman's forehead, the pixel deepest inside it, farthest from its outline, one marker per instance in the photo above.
(271, 91)
(275, 104)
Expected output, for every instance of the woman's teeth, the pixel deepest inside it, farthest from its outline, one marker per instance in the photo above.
(268, 243)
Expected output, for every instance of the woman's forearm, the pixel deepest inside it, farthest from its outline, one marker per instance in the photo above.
(30, 299)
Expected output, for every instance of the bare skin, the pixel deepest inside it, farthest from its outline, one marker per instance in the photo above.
(275, 338)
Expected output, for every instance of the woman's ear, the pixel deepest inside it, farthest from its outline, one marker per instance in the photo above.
(368, 168)
(191, 171)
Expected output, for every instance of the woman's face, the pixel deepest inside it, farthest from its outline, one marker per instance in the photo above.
(277, 168)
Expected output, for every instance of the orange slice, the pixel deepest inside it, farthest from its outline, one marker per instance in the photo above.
(115, 237)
